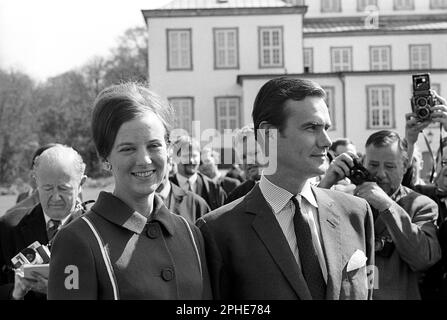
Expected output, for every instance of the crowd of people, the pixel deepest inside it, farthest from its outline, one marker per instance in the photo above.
(176, 227)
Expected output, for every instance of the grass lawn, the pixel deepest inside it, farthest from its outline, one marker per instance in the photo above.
(7, 202)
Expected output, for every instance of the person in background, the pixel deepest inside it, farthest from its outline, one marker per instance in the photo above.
(31, 197)
(208, 166)
(251, 159)
(287, 239)
(59, 174)
(185, 203)
(406, 241)
(433, 283)
(151, 253)
(236, 172)
(186, 154)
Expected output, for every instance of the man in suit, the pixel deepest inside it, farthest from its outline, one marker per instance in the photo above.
(208, 166)
(287, 239)
(186, 155)
(406, 240)
(59, 174)
(184, 203)
(247, 153)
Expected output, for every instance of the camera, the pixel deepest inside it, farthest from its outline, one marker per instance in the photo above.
(384, 247)
(422, 100)
(359, 174)
(35, 253)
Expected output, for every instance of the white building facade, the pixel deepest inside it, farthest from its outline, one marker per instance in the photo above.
(210, 57)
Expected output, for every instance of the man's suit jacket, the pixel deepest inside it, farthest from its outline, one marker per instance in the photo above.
(249, 257)
(20, 227)
(186, 204)
(213, 194)
(411, 225)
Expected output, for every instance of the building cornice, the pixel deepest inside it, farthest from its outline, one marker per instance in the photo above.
(213, 12)
(371, 32)
(242, 77)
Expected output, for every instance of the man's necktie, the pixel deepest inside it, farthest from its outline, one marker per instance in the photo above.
(52, 227)
(189, 186)
(308, 256)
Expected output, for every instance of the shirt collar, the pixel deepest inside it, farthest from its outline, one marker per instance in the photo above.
(278, 197)
(116, 211)
(183, 180)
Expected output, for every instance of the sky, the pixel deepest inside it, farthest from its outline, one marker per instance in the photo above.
(44, 38)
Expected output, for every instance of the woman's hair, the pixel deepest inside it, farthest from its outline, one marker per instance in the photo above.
(121, 103)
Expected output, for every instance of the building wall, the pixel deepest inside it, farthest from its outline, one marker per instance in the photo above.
(203, 82)
(400, 50)
(386, 7)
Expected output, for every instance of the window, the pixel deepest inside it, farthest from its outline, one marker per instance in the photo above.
(341, 59)
(271, 47)
(308, 57)
(380, 58)
(330, 101)
(330, 5)
(184, 114)
(227, 113)
(179, 49)
(420, 56)
(363, 4)
(380, 107)
(438, 4)
(403, 4)
(226, 53)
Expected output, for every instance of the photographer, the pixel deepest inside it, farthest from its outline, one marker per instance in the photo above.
(405, 232)
(433, 283)
(59, 174)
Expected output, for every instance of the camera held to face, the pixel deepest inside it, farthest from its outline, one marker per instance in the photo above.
(422, 100)
(359, 174)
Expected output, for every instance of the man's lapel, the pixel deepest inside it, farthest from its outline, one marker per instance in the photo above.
(270, 233)
(33, 227)
(329, 220)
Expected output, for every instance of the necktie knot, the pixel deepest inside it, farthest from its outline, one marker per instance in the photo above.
(52, 227)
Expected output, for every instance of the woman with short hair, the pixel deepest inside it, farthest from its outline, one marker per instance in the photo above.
(129, 246)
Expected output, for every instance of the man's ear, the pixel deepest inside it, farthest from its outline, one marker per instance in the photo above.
(83, 179)
(265, 130)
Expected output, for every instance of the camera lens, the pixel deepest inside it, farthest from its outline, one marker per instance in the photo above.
(422, 102)
(423, 113)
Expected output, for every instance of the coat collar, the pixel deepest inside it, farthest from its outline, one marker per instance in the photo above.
(116, 211)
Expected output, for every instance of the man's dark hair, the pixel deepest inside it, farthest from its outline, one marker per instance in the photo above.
(269, 103)
(385, 138)
(340, 142)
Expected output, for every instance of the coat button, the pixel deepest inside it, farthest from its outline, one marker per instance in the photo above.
(152, 231)
(167, 274)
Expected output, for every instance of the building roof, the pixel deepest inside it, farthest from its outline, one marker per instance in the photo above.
(328, 28)
(216, 4)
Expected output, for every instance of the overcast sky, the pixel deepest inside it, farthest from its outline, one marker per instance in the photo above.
(46, 37)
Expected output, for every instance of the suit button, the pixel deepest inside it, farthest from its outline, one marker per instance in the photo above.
(167, 274)
(152, 231)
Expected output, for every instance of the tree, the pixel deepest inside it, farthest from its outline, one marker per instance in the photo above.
(17, 140)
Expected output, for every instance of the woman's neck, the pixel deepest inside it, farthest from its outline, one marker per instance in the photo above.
(141, 204)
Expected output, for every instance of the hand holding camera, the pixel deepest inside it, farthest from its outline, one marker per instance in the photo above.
(339, 168)
(426, 104)
(35, 256)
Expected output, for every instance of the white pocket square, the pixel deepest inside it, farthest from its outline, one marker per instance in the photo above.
(357, 260)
